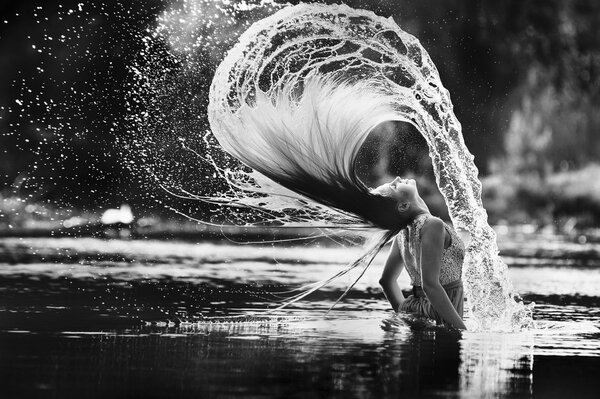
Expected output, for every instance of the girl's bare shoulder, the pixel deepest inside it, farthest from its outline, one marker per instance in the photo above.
(432, 228)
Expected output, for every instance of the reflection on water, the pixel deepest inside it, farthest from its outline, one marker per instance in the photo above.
(92, 318)
(496, 362)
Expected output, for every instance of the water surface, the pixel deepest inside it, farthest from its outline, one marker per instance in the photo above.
(96, 318)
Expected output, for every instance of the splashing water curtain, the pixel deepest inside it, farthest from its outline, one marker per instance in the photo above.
(334, 69)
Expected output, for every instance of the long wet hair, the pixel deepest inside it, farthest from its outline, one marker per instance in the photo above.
(309, 142)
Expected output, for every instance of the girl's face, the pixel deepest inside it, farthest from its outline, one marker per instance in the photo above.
(402, 190)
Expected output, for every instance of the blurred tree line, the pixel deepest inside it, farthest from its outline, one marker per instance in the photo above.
(523, 76)
(549, 168)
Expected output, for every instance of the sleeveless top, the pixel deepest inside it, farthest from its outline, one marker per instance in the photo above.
(409, 243)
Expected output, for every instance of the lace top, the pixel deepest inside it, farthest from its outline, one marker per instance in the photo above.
(409, 243)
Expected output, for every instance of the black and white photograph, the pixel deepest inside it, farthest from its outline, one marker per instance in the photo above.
(304, 199)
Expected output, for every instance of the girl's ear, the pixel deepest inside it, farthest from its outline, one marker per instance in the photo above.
(403, 206)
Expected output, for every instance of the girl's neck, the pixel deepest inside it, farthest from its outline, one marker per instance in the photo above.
(422, 213)
(416, 212)
(418, 207)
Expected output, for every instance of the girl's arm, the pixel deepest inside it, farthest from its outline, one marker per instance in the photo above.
(432, 245)
(391, 271)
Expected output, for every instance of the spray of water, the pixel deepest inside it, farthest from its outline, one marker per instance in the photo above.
(340, 69)
(362, 62)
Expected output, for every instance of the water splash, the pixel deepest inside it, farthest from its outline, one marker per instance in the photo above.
(280, 65)
(273, 67)
(169, 143)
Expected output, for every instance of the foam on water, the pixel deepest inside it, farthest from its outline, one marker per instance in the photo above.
(306, 64)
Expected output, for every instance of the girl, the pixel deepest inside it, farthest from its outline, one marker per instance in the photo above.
(432, 253)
